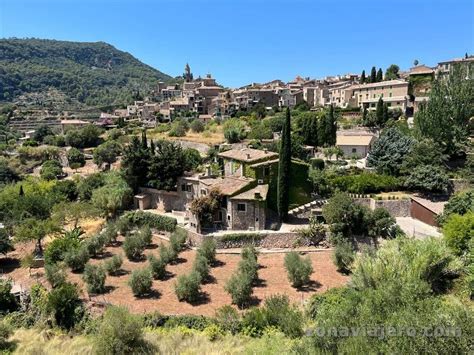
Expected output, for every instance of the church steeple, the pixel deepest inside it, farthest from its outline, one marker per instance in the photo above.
(188, 76)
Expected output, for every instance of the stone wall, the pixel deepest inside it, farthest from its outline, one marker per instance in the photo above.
(396, 208)
(164, 200)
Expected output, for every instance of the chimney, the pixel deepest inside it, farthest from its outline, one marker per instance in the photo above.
(248, 156)
(208, 170)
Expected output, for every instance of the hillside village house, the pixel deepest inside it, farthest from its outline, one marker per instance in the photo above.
(392, 92)
(355, 145)
(244, 187)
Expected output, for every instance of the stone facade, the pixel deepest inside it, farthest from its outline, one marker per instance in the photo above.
(246, 214)
(396, 208)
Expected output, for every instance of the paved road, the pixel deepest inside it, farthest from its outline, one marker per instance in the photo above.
(416, 228)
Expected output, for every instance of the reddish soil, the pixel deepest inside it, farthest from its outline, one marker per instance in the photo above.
(272, 274)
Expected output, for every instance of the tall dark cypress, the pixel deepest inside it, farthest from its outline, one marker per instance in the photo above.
(379, 75)
(373, 75)
(152, 147)
(362, 77)
(331, 127)
(144, 140)
(283, 193)
(379, 112)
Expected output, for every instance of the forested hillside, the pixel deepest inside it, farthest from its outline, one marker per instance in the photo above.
(92, 73)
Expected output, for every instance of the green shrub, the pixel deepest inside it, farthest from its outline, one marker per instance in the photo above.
(145, 234)
(94, 277)
(343, 255)
(197, 126)
(246, 238)
(249, 267)
(120, 332)
(178, 240)
(152, 220)
(208, 250)
(158, 267)
(55, 274)
(365, 183)
(299, 270)
(167, 254)
(77, 258)
(7, 300)
(317, 164)
(188, 287)
(95, 245)
(459, 231)
(5, 332)
(140, 282)
(189, 321)
(277, 312)
(228, 319)
(110, 233)
(58, 247)
(239, 286)
(201, 266)
(133, 246)
(64, 304)
(113, 265)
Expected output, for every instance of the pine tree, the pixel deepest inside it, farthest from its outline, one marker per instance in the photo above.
(283, 196)
(379, 112)
(362, 77)
(379, 75)
(373, 75)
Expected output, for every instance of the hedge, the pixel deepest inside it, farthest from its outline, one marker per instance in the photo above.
(365, 183)
(142, 218)
(242, 237)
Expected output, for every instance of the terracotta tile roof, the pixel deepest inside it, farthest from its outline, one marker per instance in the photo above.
(261, 190)
(248, 154)
(354, 140)
(226, 185)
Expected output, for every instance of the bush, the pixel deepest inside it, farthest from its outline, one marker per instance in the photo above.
(95, 245)
(142, 218)
(317, 164)
(197, 126)
(249, 267)
(299, 270)
(343, 255)
(239, 287)
(119, 332)
(77, 258)
(64, 304)
(5, 333)
(57, 249)
(158, 267)
(459, 231)
(276, 312)
(7, 300)
(55, 274)
(110, 233)
(228, 319)
(145, 234)
(140, 282)
(113, 265)
(94, 277)
(208, 250)
(167, 254)
(188, 288)
(178, 129)
(133, 247)
(178, 240)
(201, 266)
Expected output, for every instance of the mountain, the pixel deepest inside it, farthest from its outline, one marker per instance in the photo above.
(92, 74)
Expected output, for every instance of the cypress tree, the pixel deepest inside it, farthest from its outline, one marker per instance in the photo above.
(379, 112)
(144, 140)
(330, 127)
(314, 131)
(362, 77)
(152, 147)
(21, 193)
(373, 75)
(385, 113)
(283, 195)
(379, 75)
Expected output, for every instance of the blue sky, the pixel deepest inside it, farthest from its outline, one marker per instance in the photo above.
(246, 41)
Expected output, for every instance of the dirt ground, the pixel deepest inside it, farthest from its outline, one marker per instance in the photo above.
(272, 274)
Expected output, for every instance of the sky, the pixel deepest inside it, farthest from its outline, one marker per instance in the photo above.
(245, 41)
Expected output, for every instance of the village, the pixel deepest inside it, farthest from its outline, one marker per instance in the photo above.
(197, 204)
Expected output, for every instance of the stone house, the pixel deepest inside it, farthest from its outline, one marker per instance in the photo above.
(355, 145)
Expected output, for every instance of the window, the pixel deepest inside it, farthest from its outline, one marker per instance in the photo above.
(203, 192)
(241, 207)
(354, 150)
(390, 94)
